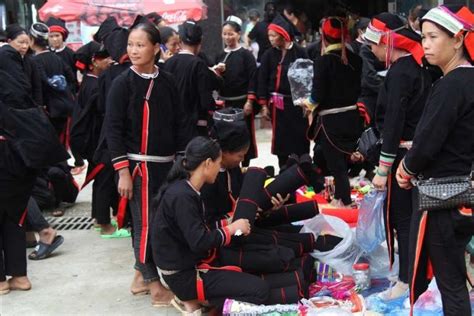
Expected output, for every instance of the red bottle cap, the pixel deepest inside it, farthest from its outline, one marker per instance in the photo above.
(361, 266)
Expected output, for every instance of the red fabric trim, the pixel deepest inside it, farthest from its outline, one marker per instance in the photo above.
(123, 59)
(267, 193)
(465, 211)
(23, 217)
(144, 197)
(91, 175)
(68, 133)
(200, 289)
(227, 236)
(80, 65)
(74, 183)
(205, 266)
(121, 164)
(251, 97)
(363, 113)
(280, 30)
(262, 102)
(122, 210)
(405, 43)
(389, 230)
(381, 26)
(212, 256)
(300, 288)
(59, 29)
(274, 123)
(145, 125)
(248, 201)
(419, 245)
(253, 134)
(469, 43)
(302, 175)
(333, 32)
(283, 296)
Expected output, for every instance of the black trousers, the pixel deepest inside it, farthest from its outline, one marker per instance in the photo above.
(399, 221)
(35, 217)
(444, 246)
(104, 194)
(12, 248)
(218, 286)
(336, 162)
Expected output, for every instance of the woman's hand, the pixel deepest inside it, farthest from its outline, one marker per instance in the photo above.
(278, 201)
(125, 184)
(242, 225)
(248, 108)
(357, 157)
(403, 178)
(379, 182)
(265, 113)
(167, 55)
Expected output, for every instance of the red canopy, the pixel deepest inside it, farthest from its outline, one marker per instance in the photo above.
(94, 12)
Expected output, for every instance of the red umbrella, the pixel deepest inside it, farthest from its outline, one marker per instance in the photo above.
(94, 12)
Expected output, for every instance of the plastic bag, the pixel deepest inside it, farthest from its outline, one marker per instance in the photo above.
(429, 303)
(300, 76)
(370, 232)
(344, 254)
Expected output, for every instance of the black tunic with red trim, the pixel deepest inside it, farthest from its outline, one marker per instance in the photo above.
(238, 78)
(195, 84)
(289, 125)
(336, 85)
(167, 128)
(220, 196)
(400, 103)
(180, 238)
(443, 146)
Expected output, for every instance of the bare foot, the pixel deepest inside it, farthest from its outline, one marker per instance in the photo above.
(398, 290)
(20, 283)
(138, 286)
(47, 235)
(159, 294)
(107, 229)
(4, 288)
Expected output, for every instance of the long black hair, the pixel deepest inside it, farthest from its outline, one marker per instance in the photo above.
(198, 150)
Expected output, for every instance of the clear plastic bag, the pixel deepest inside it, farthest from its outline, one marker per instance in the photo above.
(300, 76)
(345, 253)
(370, 232)
(429, 303)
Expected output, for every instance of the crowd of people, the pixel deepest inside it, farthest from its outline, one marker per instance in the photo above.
(169, 133)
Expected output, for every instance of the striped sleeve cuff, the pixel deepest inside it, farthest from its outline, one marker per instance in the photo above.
(226, 237)
(405, 168)
(120, 162)
(386, 159)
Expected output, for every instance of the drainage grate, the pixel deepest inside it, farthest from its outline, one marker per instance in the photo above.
(70, 223)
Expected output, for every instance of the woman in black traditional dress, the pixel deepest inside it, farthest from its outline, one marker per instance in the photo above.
(145, 128)
(399, 107)
(237, 66)
(336, 125)
(273, 91)
(443, 146)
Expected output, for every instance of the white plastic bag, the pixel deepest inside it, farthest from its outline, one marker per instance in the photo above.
(370, 231)
(300, 76)
(345, 253)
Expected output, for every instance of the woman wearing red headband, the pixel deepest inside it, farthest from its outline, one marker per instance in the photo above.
(443, 147)
(399, 106)
(289, 125)
(336, 125)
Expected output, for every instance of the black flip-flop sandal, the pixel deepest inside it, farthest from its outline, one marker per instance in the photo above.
(43, 250)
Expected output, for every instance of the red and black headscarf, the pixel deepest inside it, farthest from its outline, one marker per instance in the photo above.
(458, 20)
(389, 29)
(58, 25)
(335, 27)
(283, 27)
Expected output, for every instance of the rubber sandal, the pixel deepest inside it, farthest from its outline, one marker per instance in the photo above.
(119, 233)
(178, 306)
(58, 213)
(5, 290)
(43, 250)
(16, 288)
(140, 292)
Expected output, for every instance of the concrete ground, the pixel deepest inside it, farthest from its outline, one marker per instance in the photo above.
(89, 275)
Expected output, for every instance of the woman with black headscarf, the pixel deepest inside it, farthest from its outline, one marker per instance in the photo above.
(16, 60)
(195, 81)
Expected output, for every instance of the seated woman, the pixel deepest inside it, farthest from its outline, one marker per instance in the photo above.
(181, 240)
